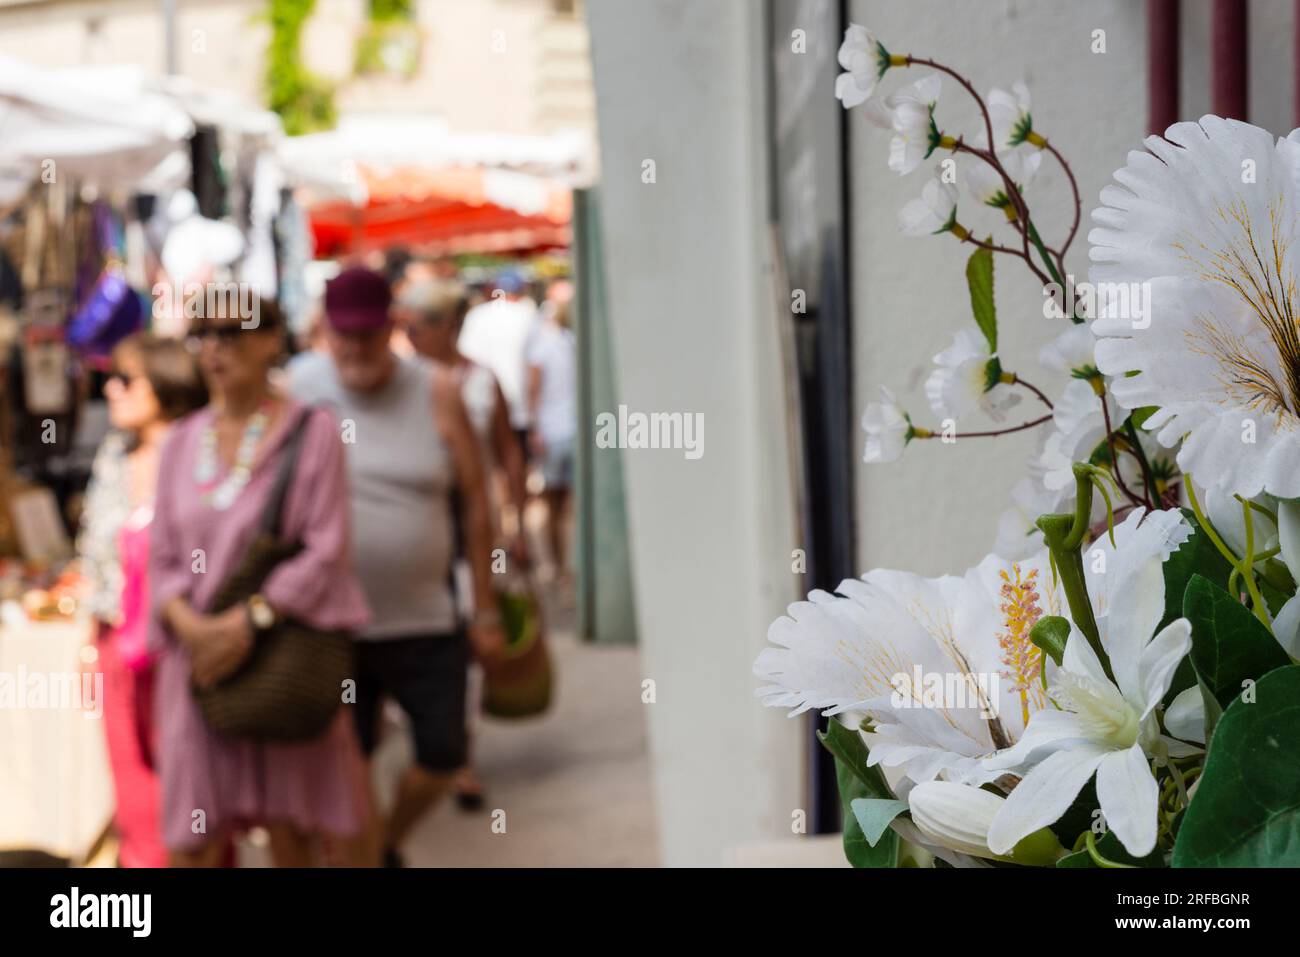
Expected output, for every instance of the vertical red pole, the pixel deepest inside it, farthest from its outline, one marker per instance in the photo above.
(1162, 64)
(1230, 59)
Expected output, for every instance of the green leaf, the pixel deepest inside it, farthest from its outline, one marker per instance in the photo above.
(874, 814)
(1246, 812)
(979, 277)
(1141, 415)
(1196, 556)
(1229, 645)
(1050, 633)
(857, 781)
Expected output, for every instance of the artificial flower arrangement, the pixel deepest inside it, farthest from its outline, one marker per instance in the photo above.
(1116, 686)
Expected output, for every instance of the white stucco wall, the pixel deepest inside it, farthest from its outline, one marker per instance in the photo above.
(693, 330)
(936, 510)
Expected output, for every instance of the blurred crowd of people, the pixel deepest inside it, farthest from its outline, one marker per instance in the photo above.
(399, 445)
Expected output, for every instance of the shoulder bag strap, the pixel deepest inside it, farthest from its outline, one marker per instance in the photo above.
(272, 515)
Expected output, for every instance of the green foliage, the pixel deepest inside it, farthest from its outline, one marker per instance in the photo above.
(1246, 811)
(979, 277)
(304, 102)
(390, 42)
(1196, 556)
(1229, 645)
(382, 11)
(857, 781)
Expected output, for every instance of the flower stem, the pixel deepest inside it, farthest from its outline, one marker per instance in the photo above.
(1059, 532)
(1246, 571)
(1097, 857)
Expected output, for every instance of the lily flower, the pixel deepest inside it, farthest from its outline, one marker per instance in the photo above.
(943, 668)
(1106, 726)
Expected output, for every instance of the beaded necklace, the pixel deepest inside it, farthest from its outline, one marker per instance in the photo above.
(222, 496)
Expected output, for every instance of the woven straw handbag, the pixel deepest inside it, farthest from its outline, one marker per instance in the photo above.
(291, 685)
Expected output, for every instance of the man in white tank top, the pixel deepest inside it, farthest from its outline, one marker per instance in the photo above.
(409, 445)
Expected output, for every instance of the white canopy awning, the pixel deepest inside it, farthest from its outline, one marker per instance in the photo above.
(108, 134)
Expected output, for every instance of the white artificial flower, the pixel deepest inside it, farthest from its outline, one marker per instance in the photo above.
(1010, 116)
(984, 182)
(865, 60)
(887, 428)
(959, 383)
(1185, 716)
(1286, 625)
(909, 112)
(958, 817)
(1224, 511)
(1104, 727)
(1078, 427)
(1217, 350)
(1071, 350)
(934, 211)
(1018, 532)
(860, 651)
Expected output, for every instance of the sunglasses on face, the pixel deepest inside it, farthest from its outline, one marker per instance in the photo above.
(226, 333)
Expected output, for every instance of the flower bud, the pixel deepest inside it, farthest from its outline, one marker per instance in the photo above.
(958, 817)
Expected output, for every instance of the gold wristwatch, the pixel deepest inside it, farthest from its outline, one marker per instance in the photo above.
(260, 614)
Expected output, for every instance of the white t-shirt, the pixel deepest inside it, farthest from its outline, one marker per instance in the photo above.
(495, 335)
(552, 348)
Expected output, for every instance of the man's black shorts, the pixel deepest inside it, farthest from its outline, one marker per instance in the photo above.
(425, 675)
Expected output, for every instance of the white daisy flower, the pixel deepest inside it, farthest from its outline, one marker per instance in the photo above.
(1219, 350)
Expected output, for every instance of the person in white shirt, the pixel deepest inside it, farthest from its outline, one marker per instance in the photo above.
(552, 401)
(495, 334)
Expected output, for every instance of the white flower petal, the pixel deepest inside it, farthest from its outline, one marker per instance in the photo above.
(1128, 796)
(1047, 728)
(956, 816)
(1286, 626)
(1185, 716)
(1043, 795)
(1160, 659)
(1183, 224)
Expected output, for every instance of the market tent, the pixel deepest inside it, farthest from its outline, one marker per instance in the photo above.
(448, 210)
(106, 133)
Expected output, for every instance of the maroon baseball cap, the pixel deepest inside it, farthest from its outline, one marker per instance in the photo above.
(357, 300)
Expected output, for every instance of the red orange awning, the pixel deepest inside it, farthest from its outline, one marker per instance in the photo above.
(450, 210)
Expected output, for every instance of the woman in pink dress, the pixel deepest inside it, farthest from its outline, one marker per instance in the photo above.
(218, 468)
(155, 381)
